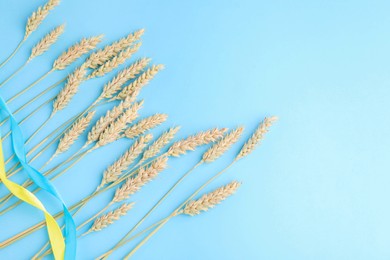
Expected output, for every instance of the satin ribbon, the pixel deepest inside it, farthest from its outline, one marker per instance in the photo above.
(55, 235)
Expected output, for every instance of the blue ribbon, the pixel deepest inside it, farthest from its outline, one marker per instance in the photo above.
(41, 181)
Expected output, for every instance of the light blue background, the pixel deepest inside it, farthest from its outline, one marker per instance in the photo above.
(318, 187)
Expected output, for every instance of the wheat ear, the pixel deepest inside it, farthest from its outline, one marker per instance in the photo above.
(38, 16)
(210, 200)
(74, 133)
(76, 51)
(110, 65)
(114, 130)
(127, 74)
(106, 120)
(141, 81)
(190, 143)
(157, 145)
(99, 57)
(46, 42)
(145, 124)
(145, 175)
(256, 137)
(66, 94)
(219, 148)
(113, 171)
(109, 218)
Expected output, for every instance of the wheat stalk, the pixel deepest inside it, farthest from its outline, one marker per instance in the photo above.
(145, 124)
(46, 42)
(114, 130)
(66, 94)
(74, 133)
(141, 81)
(110, 65)
(190, 143)
(129, 73)
(106, 120)
(38, 16)
(99, 57)
(157, 145)
(219, 148)
(76, 51)
(145, 174)
(109, 218)
(256, 137)
(112, 173)
(210, 200)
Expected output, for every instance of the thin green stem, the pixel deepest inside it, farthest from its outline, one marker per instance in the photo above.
(13, 74)
(34, 99)
(80, 203)
(177, 210)
(103, 256)
(140, 244)
(30, 86)
(38, 129)
(40, 95)
(13, 171)
(27, 184)
(13, 53)
(158, 203)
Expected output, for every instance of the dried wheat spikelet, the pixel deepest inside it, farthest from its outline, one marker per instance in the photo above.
(76, 51)
(106, 120)
(110, 217)
(145, 124)
(117, 82)
(112, 64)
(101, 56)
(190, 143)
(256, 137)
(141, 81)
(66, 94)
(74, 133)
(112, 173)
(157, 145)
(145, 175)
(219, 148)
(38, 16)
(46, 42)
(114, 130)
(211, 199)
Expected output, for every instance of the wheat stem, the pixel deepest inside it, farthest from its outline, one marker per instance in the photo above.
(159, 202)
(13, 53)
(13, 75)
(77, 205)
(29, 87)
(176, 211)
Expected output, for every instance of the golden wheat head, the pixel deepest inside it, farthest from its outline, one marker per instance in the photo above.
(38, 16)
(112, 173)
(109, 218)
(122, 77)
(256, 137)
(140, 82)
(99, 57)
(76, 51)
(145, 175)
(145, 125)
(46, 42)
(210, 200)
(191, 143)
(220, 147)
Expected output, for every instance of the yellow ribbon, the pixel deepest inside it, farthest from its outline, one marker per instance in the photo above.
(54, 231)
